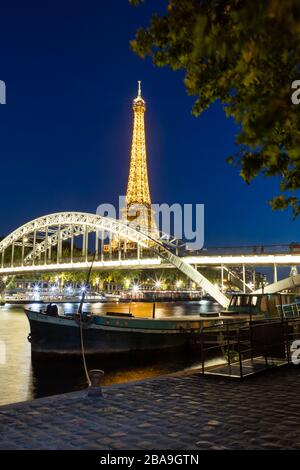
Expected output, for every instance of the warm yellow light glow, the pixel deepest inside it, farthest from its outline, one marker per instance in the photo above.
(138, 200)
(127, 283)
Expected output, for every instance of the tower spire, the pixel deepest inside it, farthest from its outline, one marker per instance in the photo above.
(138, 200)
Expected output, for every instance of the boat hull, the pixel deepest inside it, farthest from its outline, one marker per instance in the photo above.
(60, 336)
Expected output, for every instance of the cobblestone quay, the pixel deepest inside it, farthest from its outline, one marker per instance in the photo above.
(171, 412)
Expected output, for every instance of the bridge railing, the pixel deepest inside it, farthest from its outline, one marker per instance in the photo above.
(292, 248)
(142, 253)
(113, 256)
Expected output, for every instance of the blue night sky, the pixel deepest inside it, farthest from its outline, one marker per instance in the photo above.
(65, 131)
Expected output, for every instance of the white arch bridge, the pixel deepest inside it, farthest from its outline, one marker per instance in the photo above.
(50, 243)
(67, 241)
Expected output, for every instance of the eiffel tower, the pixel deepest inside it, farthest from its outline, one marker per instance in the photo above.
(138, 201)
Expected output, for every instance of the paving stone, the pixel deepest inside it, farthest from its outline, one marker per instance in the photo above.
(259, 413)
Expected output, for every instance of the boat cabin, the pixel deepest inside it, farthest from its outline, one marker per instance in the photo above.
(270, 305)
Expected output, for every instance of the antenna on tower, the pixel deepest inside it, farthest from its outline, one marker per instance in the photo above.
(139, 89)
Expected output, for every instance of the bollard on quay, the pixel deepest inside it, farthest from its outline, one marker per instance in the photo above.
(94, 390)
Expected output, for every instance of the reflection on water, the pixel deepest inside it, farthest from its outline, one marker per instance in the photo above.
(15, 362)
(23, 379)
(144, 309)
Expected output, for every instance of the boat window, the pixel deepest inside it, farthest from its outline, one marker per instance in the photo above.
(253, 300)
(240, 301)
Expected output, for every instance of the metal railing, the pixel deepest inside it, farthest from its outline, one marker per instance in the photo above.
(248, 346)
(247, 250)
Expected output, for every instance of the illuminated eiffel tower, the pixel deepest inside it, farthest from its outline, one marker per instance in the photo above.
(138, 201)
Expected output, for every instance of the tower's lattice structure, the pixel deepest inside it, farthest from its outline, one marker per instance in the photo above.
(138, 200)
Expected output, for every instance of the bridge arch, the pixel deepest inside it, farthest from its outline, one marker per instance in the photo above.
(39, 235)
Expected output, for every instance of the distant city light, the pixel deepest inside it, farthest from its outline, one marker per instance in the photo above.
(135, 288)
(127, 283)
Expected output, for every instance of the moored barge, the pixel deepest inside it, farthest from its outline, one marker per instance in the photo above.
(116, 332)
(109, 334)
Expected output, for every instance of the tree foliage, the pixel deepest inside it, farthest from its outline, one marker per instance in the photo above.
(245, 53)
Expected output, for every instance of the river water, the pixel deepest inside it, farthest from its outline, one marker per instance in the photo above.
(21, 378)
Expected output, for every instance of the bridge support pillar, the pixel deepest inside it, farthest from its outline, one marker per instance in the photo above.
(244, 279)
(83, 244)
(110, 248)
(177, 248)
(46, 246)
(102, 245)
(12, 254)
(119, 249)
(34, 246)
(23, 248)
(222, 277)
(72, 243)
(58, 244)
(275, 277)
(138, 252)
(96, 244)
(86, 243)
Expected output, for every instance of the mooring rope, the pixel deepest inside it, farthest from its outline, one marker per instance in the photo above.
(83, 354)
(80, 323)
